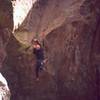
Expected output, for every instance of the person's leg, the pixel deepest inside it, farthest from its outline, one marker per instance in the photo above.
(41, 64)
(37, 69)
(37, 72)
(42, 67)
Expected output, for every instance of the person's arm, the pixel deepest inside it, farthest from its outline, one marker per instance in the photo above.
(44, 58)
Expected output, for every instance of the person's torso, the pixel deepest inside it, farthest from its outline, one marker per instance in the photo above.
(39, 53)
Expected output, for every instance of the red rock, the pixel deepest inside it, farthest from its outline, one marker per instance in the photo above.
(71, 43)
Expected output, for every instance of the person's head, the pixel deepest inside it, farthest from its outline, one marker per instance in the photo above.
(36, 43)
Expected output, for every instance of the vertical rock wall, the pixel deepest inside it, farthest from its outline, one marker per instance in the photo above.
(70, 52)
(6, 26)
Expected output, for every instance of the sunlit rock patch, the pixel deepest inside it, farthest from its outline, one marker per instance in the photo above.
(4, 90)
(20, 10)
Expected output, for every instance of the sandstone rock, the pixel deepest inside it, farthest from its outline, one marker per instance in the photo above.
(20, 72)
(6, 26)
(6, 14)
(70, 31)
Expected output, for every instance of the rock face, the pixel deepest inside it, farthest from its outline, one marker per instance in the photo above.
(70, 31)
(20, 71)
(42, 19)
(95, 58)
(6, 26)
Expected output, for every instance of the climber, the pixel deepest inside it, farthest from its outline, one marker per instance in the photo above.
(39, 53)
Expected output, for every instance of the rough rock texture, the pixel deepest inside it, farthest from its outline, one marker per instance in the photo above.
(96, 57)
(70, 29)
(45, 16)
(6, 26)
(20, 72)
(6, 14)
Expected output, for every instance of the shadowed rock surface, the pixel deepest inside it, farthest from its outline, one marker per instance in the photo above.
(6, 26)
(70, 31)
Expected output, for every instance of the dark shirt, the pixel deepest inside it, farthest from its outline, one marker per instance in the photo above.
(39, 53)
